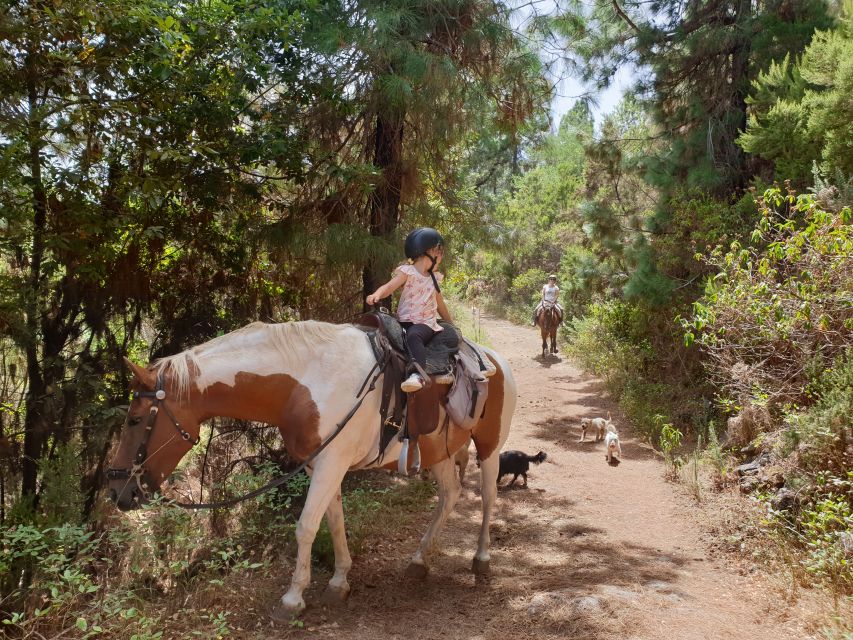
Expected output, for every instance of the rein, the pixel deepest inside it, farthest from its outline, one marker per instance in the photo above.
(549, 312)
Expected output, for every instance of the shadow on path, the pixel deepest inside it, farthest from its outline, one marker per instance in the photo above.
(548, 360)
(538, 547)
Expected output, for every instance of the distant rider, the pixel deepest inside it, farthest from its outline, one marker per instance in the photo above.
(550, 293)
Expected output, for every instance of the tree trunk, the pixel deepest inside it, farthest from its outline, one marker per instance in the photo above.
(385, 200)
(740, 88)
(34, 422)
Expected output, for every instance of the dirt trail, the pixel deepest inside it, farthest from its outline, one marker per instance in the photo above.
(587, 551)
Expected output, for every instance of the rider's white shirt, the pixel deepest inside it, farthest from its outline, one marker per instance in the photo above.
(549, 293)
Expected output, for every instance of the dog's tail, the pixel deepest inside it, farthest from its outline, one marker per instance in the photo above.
(539, 457)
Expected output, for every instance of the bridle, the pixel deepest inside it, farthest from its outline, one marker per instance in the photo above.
(137, 472)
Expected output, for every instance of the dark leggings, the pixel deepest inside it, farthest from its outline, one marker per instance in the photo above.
(417, 337)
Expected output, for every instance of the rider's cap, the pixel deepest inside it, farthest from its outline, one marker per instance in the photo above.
(552, 277)
(421, 240)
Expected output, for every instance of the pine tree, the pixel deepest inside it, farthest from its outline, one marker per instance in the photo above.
(800, 113)
(696, 60)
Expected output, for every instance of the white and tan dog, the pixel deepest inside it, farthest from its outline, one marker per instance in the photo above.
(600, 425)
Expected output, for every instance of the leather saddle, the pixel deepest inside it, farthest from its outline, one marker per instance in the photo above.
(547, 304)
(414, 414)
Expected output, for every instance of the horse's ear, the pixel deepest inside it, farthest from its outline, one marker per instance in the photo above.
(144, 376)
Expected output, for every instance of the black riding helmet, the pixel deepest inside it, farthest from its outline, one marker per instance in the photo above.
(421, 240)
(418, 242)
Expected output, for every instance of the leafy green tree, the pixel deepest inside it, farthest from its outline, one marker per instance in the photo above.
(427, 67)
(696, 60)
(129, 132)
(530, 227)
(678, 138)
(173, 170)
(800, 114)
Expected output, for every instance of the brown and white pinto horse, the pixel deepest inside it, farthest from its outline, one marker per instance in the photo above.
(303, 377)
(548, 320)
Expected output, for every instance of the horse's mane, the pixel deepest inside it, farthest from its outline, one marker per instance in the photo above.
(284, 337)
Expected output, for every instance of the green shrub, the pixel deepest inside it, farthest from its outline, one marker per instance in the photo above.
(828, 536)
(820, 533)
(670, 441)
(610, 343)
(823, 434)
(61, 501)
(717, 458)
(779, 307)
(605, 342)
(48, 557)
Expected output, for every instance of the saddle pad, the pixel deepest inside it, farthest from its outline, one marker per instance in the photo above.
(441, 348)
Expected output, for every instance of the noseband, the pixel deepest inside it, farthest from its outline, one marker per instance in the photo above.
(137, 472)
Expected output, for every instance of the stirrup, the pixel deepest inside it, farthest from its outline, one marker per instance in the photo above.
(403, 460)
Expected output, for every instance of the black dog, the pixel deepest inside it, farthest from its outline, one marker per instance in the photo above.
(518, 463)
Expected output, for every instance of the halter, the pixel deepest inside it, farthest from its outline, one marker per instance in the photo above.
(137, 472)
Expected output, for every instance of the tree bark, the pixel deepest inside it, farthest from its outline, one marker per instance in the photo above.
(34, 422)
(740, 87)
(385, 199)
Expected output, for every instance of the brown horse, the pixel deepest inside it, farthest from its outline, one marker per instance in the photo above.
(548, 320)
(306, 378)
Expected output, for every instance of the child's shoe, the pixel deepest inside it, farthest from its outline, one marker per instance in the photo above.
(412, 383)
(445, 378)
(491, 369)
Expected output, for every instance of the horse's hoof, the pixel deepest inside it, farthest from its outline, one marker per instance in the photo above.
(480, 567)
(416, 571)
(335, 596)
(284, 613)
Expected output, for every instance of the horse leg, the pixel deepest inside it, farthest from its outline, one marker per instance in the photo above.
(489, 491)
(554, 340)
(449, 487)
(338, 588)
(325, 484)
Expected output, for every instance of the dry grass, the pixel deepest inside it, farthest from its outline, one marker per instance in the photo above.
(737, 530)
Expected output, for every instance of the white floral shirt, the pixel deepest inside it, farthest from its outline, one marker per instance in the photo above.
(418, 303)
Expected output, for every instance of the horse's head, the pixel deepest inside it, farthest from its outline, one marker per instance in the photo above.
(159, 430)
